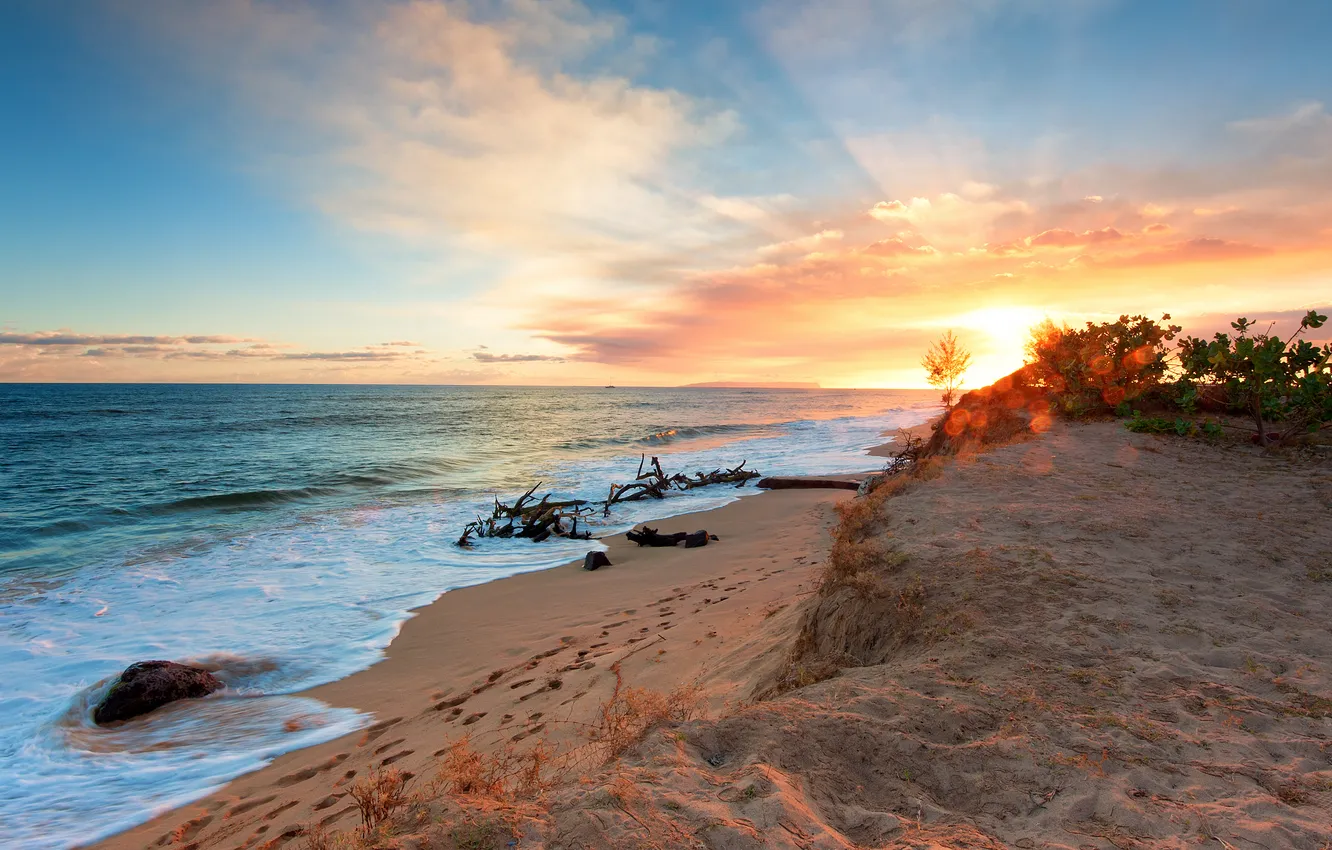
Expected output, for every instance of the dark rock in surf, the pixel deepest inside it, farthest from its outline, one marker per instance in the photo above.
(596, 560)
(149, 685)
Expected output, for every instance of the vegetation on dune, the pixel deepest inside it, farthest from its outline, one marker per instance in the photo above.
(1262, 376)
(1282, 387)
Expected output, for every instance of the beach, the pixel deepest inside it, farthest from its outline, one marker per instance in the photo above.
(1072, 641)
(713, 615)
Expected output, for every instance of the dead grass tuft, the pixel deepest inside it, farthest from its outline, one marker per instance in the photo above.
(378, 796)
(625, 719)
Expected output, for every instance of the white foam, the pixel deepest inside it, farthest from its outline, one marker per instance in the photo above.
(314, 602)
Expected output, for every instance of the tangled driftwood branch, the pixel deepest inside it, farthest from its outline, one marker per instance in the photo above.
(542, 520)
(536, 521)
(654, 483)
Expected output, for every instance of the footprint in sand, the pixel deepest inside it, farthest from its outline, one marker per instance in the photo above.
(613, 625)
(242, 808)
(333, 817)
(472, 718)
(390, 745)
(346, 777)
(517, 685)
(332, 799)
(528, 732)
(311, 772)
(186, 831)
(376, 730)
(280, 809)
(274, 843)
(505, 719)
(451, 703)
(396, 757)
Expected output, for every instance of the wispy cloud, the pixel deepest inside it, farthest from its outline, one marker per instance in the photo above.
(487, 357)
(67, 338)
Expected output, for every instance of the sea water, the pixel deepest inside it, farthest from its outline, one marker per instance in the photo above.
(280, 535)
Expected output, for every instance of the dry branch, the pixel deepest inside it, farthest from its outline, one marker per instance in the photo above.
(541, 520)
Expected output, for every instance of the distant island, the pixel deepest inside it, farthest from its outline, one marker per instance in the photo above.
(757, 385)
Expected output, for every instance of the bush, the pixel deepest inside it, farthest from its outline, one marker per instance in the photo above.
(1101, 367)
(1262, 377)
(1179, 426)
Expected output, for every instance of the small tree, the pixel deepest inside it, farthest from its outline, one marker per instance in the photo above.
(945, 364)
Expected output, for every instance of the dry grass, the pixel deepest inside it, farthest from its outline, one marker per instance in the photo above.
(378, 796)
(625, 719)
(487, 790)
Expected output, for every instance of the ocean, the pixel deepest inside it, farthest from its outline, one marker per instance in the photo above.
(282, 534)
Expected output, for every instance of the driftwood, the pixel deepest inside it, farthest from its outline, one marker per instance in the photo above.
(536, 521)
(779, 483)
(542, 520)
(651, 537)
(654, 483)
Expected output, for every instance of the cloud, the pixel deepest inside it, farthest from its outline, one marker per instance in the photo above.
(487, 357)
(469, 127)
(1066, 238)
(1093, 199)
(1200, 250)
(890, 212)
(804, 244)
(67, 338)
(896, 247)
(404, 343)
(952, 221)
(190, 348)
(1309, 114)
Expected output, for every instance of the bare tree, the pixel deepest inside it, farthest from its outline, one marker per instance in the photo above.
(945, 363)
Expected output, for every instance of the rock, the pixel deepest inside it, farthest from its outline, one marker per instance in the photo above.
(595, 560)
(148, 685)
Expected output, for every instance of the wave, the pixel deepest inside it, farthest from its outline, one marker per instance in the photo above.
(672, 434)
(238, 501)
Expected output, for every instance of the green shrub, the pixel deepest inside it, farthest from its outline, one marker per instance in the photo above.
(1102, 367)
(1262, 377)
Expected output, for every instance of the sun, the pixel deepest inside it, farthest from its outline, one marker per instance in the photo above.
(997, 337)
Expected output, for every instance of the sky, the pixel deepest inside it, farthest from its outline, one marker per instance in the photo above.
(645, 192)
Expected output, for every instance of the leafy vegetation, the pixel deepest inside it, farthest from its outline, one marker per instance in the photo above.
(1120, 367)
(1102, 366)
(1268, 379)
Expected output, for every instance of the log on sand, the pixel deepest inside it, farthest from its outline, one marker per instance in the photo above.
(780, 483)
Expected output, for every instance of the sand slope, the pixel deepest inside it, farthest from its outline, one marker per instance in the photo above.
(1124, 642)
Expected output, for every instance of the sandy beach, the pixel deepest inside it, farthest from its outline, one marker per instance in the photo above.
(1071, 641)
(485, 660)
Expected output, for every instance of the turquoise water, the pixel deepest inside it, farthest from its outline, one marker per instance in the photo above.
(281, 534)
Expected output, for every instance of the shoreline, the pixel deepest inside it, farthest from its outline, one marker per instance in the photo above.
(469, 641)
